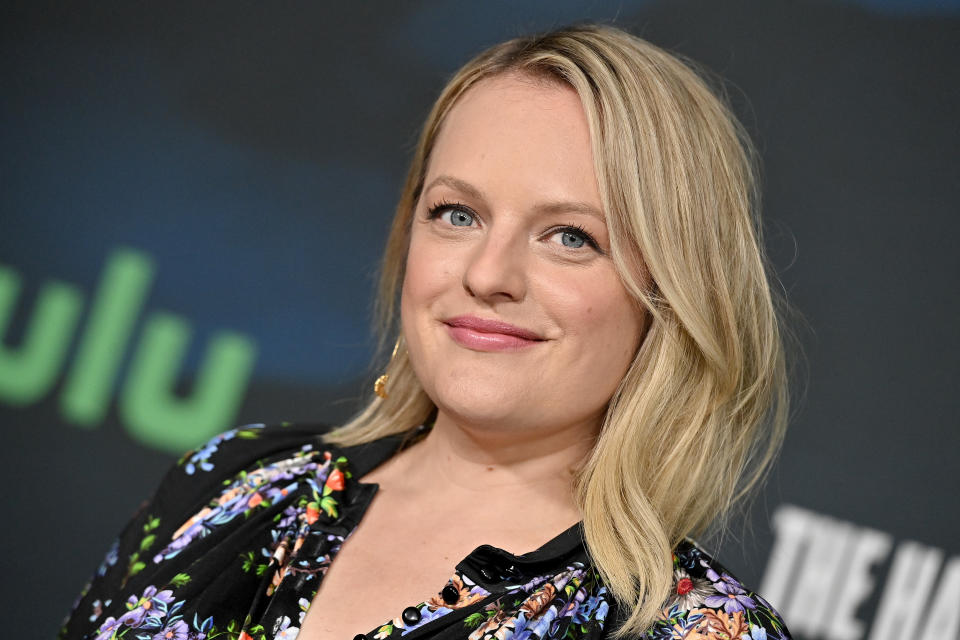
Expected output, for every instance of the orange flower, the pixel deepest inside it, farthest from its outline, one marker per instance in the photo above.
(245, 636)
(254, 500)
(538, 601)
(313, 512)
(717, 624)
(335, 480)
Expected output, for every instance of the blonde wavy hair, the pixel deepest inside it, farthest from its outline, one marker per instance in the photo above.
(701, 411)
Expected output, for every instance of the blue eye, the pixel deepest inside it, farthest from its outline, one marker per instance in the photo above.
(453, 213)
(457, 217)
(572, 237)
(572, 240)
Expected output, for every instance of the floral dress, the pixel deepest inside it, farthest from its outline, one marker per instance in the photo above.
(236, 541)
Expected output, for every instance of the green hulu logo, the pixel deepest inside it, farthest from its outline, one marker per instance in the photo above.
(148, 406)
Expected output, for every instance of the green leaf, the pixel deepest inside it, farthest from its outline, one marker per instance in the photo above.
(132, 561)
(179, 580)
(147, 542)
(329, 505)
(473, 620)
(248, 434)
(137, 567)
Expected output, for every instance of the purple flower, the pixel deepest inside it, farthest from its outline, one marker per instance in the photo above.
(712, 575)
(151, 605)
(106, 629)
(176, 631)
(734, 598)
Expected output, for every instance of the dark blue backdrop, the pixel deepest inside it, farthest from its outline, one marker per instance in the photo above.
(252, 154)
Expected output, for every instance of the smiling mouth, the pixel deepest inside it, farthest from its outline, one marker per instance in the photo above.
(479, 334)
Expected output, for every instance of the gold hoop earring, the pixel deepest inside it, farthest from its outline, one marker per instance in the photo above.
(380, 386)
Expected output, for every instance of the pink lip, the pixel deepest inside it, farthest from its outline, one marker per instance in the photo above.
(489, 335)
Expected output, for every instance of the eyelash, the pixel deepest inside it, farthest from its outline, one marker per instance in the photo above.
(438, 208)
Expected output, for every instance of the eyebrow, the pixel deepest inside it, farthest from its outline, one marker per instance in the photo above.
(548, 207)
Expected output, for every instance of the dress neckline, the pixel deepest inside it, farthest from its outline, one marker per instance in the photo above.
(365, 457)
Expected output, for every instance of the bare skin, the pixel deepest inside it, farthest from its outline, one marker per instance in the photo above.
(401, 555)
(509, 229)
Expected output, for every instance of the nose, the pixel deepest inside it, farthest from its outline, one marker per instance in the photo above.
(496, 269)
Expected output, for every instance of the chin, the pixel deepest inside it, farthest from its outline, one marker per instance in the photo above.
(473, 405)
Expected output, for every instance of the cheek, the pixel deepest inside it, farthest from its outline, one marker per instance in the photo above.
(605, 321)
(421, 274)
(428, 276)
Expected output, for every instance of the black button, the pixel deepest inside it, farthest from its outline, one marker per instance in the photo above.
(487, 574)
(411, 615)
(450, 594)
(359, 636)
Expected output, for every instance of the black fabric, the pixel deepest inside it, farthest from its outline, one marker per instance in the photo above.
(238, 537)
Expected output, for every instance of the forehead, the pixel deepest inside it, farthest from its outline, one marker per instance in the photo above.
(510, 102)
(520, 130)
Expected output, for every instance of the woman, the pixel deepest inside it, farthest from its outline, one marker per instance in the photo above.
(588, 370)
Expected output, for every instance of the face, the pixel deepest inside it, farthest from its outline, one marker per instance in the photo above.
(513, 314)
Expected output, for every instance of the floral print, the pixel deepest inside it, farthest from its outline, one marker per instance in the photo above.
(689, 592)
(238, 538)
(154, 615)
(708, 603)
(571, 604)
(200, 459)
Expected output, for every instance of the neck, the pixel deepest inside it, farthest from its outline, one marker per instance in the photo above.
(458, 459)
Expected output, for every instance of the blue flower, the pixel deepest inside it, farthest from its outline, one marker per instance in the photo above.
(756, 633)
(110, 559)
(585, 611)
(602, 610)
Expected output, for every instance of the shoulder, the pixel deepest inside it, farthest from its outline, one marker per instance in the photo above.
(201, 472)
(709, 603)
(248, 443)
(210, 488)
